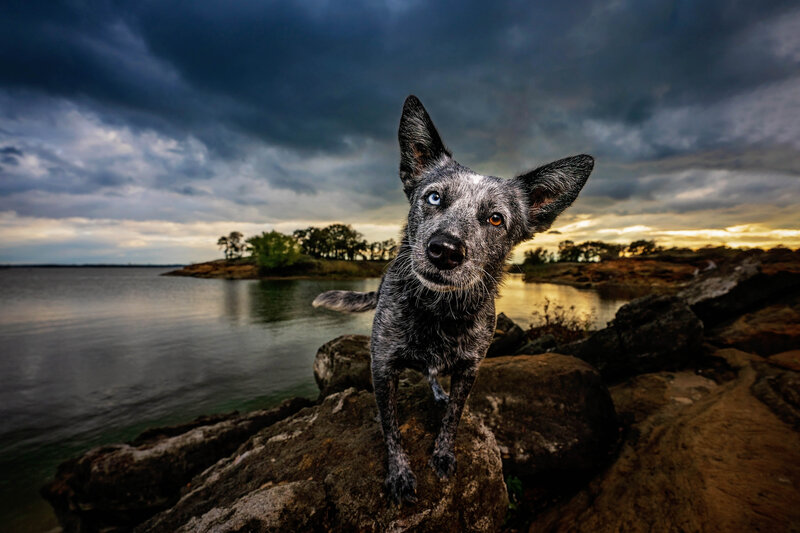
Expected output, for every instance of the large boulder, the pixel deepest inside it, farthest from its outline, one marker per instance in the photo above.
(112, 488)
(716, 460)
(295, 506)
(342, 363)
(736, 289)
(647, 335)
(549, 413)
(328, 462)
(770, 330)
(542, 344)
(508, 337)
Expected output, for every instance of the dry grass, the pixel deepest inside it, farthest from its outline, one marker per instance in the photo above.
(563, 323)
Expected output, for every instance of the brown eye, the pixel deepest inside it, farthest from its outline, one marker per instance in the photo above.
(496, 219)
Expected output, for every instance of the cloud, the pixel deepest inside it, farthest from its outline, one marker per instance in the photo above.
(284, 113)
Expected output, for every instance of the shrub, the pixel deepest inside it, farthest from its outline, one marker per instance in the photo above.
(563, 323)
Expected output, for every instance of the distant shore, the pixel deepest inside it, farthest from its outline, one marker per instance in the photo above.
(631, 276)
(660, 273)
(246, 269)
(92, 265)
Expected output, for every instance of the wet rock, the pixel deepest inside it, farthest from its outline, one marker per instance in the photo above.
(539, 345)
(770, 330)
(338, 447)
(112, 488)
(508, 337)
(721, 462)
(342, 363)
(549, 413)
(728, 292)
(647, 335)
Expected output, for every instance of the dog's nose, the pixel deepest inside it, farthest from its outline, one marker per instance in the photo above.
(445, 252)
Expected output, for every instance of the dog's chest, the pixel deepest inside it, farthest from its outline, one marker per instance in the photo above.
(439, 342)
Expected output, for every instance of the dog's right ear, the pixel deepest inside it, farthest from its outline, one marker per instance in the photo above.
(420, 144)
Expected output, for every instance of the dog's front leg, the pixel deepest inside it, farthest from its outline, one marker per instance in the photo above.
(443, 460)
(400, 481)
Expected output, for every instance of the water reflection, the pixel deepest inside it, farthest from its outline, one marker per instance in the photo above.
(275, 301)
(518, 300)
(92, 356)
(272, 301)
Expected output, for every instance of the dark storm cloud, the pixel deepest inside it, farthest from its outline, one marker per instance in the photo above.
(308, 75)
(9, 155)
(265, 86)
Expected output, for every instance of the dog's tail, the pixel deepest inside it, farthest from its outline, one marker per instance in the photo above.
(347, 301)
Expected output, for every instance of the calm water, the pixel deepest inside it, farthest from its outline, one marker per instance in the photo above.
(94, 355)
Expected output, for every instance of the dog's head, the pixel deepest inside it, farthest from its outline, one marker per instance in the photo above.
(462, 225)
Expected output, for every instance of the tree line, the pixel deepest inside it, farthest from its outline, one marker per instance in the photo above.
(274, 249)
(590, 251)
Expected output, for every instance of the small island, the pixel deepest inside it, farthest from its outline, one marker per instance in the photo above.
(335, 252)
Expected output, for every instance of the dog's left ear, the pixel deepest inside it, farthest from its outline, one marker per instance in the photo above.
(552, 188)
(420, 144)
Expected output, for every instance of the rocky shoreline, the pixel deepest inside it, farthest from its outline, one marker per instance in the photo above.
(682, 414)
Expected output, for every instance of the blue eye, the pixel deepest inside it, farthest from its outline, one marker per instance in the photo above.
(434, 198)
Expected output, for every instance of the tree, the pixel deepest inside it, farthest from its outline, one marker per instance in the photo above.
(568, 252)
(235, 244)
(389, 247)
(539, 256)
(222, 242)
(232, 245)
(275, 250)
(642, 247)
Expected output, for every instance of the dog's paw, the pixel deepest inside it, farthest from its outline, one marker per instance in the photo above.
(444, 464)
(402, 486)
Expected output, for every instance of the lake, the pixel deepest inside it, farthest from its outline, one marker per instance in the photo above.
(95, 355)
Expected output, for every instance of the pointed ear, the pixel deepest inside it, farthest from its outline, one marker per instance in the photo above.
(552, 188)
(420, 144)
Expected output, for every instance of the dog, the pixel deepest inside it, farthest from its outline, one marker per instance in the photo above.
(434, 307)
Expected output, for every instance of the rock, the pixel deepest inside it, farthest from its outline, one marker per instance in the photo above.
(337, 447)
(539, 345)
(728, 292)
(723, 462)
(112, 488)
(549, 413)
(647, 335)
(641, 396)
(342, 363)
(779, 389)
(292, 506)
(789, 360)
(508, 337)
(770, 330)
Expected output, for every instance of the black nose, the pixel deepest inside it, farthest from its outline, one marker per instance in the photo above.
(445, 252)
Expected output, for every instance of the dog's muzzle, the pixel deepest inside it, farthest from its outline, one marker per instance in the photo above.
(445, 252)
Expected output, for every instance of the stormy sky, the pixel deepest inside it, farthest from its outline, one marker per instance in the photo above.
(141, 131)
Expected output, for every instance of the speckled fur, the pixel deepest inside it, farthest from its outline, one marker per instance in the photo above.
(442, 321)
